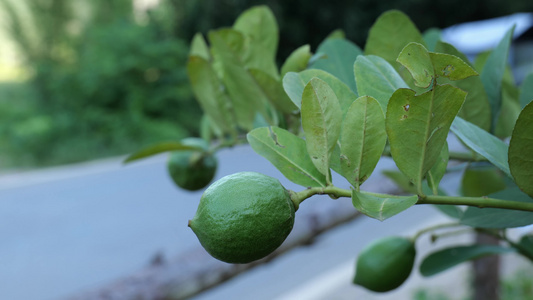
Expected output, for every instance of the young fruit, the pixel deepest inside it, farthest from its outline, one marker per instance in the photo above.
(385, 264)
(243, 217)
(192, 169)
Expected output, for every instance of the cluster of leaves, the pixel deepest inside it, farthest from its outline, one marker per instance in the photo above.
(399, 97)
(111, 86)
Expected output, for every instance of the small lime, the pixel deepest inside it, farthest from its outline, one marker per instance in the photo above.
(385, 264)
(243, 217)
(192, 169)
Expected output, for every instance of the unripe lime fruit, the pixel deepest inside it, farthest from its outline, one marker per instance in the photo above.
(192, 169)
(385, 264)
(243, 217)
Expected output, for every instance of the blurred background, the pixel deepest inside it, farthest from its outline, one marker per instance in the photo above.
(86, 79)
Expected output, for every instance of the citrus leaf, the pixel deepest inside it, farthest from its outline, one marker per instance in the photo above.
(321, 122)
(415, 58)
(297, 60)
(451, 67)
(476, 108)
(417, 127)
(260, 25)
(497, 218)
(209, 94)
(492, 73)
(273, 90)
(362, 140)
(288, 153)
(375, 77)
(509, 111)
(482, 181)
(483, 143)
(160, 148)
(431, 36)
(294, 86)
(381, 208)
(520, 151)
(526, 92)
(438, 170)
(526, 242)
(444, 259)
(338, 56)
(199, 47)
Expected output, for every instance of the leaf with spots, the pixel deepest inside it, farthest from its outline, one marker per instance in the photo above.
(417, 127)
(288, 153)
(379, 207)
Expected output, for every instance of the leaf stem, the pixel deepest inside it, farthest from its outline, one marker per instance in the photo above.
(435, 227)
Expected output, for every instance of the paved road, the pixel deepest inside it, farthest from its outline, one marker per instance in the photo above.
(77, 228)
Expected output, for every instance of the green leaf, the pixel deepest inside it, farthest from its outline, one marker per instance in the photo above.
(444, 259)
(362, 140)
(417, 127)
(492, 74)
(199, 47)
(483, 143)
(229, 51)
(509, 111)
(321, 122)
(481, 181)
(288, 153)
(526, 92)
(520, 151)
(338, 58)
(527, 244)
(401, 181)
(273, 90)
(476, 108)
(499, 218)
(160, 148)
(415, 58)
(297, 60)
(209, 94)
(294, 86)
(381, 208)
(438, 170)
(451, 66)
(375, 77)
(260, 25)
(432, 36)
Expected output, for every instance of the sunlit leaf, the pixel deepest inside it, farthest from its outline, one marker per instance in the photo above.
(415, 58)
(199, 47)
(288, 153)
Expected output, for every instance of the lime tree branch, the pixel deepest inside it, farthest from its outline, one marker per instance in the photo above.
(481, 202)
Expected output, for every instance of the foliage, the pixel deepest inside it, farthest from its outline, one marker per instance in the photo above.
(105, 88)
(410, 98)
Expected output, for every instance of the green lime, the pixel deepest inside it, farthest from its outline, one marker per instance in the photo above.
(243, 217)
(385, 264)
(192, 169)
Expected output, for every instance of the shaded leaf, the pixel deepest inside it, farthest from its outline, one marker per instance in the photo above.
(294, 85)
(499, 218)
(160, 148)
(260, 25)
(381, 208)
(209, 93)
(526, 90)
(521, 151)
(444, 259)
(438, 170)
(476, 108)
(375, 77)
(481, 181)
(431, 36)
(401, 181)
(273, 90)
(418, 125)
(288, 153)
(362, 140)
(297, 60)
(527, 244)
(492, 74)
(338, 56)
(483, 143)
(415, 58)
(321, 122)
(509, 111)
